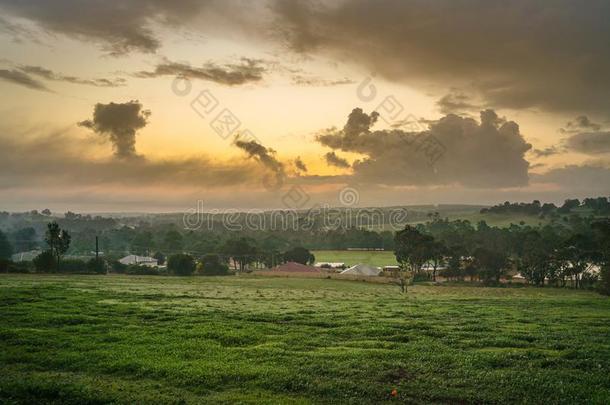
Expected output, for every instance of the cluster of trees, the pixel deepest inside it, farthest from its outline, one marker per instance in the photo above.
(597, 206)
(550, 254)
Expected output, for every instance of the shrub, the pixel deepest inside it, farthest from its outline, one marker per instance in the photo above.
(45, 262)
(213, 266)
(7, 266)
(137, 270)
(97, 266)
(118, 267)
(181, 264)
(73, 266)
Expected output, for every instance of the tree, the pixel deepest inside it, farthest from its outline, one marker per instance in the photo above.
(578, 254)
(45, 262)
(160, 258)
(173, 241)
(6, 250)
(58, 240)
(213, 266)
(491, 264)
(181, 264)
(299, 255)
(242, 250)
(602, 236)
(25, 239)
(46, 212)
(412, 248)
(437, 254)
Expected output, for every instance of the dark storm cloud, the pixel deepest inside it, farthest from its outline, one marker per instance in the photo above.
(332, 159)
(489, 154)
(517, 54)
(119, 26)
(48, 74)
(266, 156)
(120, 122)
(22, 79)
(249, 70)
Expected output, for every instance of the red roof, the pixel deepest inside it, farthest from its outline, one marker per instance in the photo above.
(292, 267)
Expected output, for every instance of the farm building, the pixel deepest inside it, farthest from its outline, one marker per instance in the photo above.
(330, 265)
(362, 270)
(139, 260)
(292, 267)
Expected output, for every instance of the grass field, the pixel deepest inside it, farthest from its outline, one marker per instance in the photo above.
(352, 257)
(101, 339)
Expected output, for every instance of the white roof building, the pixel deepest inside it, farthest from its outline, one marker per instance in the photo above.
(139, 260)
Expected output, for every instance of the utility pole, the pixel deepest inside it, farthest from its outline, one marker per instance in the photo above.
(97, 249)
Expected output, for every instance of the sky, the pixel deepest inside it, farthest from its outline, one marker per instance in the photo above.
(156, 106)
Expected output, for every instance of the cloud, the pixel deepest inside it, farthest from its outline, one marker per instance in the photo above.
(587, 179)
(590, 142)
(120, 27)
(300, 165)
(586, 136)
(546, 152)
(505, 53)
(265, 156)
(250, 70)
(315, 81)
(455, 103)
(22, 79)
(453, 150)
(332, 159)
(63, 160)
(119, 121)
(48, 74)
(580, 123)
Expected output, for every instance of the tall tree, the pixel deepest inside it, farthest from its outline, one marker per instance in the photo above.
(6, 250)
(58, 240)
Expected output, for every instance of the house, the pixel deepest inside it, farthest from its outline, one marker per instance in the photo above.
(139, 260)
(362, 270)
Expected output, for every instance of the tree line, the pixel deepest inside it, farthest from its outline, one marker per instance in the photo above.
(578, 256)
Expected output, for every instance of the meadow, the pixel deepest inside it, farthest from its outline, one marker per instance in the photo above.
(352, 257)
(122, 339)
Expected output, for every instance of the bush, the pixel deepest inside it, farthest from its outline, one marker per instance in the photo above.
(118, 267)
(45, 262)
(138, 270)
(73, 266)
(7, 266)
(213, 266)
(97, 266)
(181, 264)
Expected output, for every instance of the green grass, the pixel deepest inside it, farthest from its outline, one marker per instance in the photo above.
(352, 257)
(119, 339)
